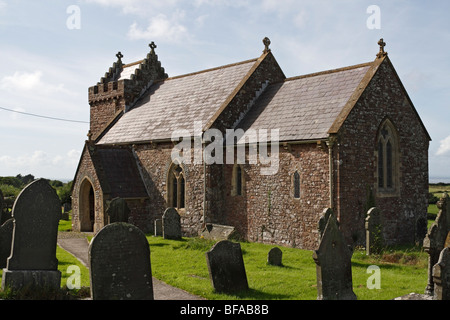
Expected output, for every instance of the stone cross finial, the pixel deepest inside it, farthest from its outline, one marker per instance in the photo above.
(266, 42)
(382, 44)
(119, 56)
(152, 47)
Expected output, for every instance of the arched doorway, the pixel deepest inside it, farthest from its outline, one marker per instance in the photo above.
(87, 206)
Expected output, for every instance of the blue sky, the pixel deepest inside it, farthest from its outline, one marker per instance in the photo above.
(51, 54)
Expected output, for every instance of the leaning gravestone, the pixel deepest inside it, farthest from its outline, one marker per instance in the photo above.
(333, 264)
(33, 262)
(118, 210)
(441, 276)
(274, 257)
(6, 232)
(226, 267)
(435, 239)
(120, 269)
(171, 224)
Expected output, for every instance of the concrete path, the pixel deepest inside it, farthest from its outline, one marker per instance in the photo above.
(78, 245)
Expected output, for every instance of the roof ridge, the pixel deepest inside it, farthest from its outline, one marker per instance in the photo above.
(211, 69)
(356, 66)
(132, 63)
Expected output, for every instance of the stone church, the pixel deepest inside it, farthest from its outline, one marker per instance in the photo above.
(347, 139)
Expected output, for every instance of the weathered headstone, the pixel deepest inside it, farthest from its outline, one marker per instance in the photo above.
(119, 264)
(226, 267)
(274, 257)
(214, 231)
(33, 262)
(441, 276)
(333, 264)
(171, 224)
(435, 239)
(323, 221)
(118, 210)
(6, 232)
(158, 227)
(374, 231)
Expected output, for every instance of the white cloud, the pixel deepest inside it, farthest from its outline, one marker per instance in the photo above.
(444, 147)
(41, 163)
(28, 81)
(160, 27)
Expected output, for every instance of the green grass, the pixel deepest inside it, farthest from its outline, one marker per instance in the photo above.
(183, 265)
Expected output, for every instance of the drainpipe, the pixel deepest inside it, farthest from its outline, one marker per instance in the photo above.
(330, 143)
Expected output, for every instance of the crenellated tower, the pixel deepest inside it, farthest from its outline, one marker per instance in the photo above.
(120, 88)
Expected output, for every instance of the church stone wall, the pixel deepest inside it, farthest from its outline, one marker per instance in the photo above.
(356, 162)
(155, 161)
(267, 211)
(86, 171)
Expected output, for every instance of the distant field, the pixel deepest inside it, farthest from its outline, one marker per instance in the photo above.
(438, 189)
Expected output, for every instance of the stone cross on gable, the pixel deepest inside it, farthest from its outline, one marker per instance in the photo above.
(382, 44)
(266, 42)
(119, 56)
(152, 47)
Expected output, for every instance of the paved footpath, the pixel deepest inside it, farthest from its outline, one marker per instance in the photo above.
(78, 245)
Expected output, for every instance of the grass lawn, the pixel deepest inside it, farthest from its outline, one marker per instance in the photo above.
(183, 265)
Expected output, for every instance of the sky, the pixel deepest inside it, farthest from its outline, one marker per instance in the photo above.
(51, 51)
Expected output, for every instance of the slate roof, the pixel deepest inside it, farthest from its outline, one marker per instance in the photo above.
(304, 108)
(122, 178)
(176, 103)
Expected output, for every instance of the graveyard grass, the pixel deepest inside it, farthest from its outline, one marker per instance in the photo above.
(182, 264)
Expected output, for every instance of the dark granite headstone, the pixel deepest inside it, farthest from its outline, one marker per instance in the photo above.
(118, 210)
(171, 224)
(6, 232)
(226, 267)
(120, 269)
(33, 262)
(274, 257)
(333, 264)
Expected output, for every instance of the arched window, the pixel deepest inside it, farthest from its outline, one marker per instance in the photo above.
(237, 181)
(176, 187)
(388, 159)
(296, 185)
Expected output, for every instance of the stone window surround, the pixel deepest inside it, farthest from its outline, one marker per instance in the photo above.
(391, 135)
(234, 180)
(179, 176)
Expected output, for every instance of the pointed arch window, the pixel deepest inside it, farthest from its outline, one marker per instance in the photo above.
(176, 187)
(388, 159)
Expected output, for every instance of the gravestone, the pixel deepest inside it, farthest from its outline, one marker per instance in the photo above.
(274, 257)
(374, 231)
(171, 224)
(441, 276)
(323, 221)
(119, 264)
(158, 227)
(118, 210)
(435, 239)
(333, 264)
(33, 262)
(226, 267)
(6, 232)
(214, 231)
